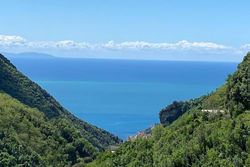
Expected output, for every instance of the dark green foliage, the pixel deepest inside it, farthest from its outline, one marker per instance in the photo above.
(238, 90)
(27, 138)
(196, 137)
(29, 93)
(172, 112)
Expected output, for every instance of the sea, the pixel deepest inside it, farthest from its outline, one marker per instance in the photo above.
(123, 96)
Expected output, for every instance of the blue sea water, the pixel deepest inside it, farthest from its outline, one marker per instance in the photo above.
(123, 96)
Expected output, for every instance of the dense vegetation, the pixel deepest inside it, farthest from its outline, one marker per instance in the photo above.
(27, 138)
(197, 137)
(172, 112)
(35, 130)
(29, 93)
(238, 89)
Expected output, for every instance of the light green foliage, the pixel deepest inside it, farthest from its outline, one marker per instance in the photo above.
(217, 99)
(29, 93)
(132, 153)
(196, 138)
(35, 130)
(217, 140)
(28, 138)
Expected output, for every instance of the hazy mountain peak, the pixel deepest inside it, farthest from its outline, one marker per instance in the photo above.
(29, 55)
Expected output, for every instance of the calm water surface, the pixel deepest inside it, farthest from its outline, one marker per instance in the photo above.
(123, 96)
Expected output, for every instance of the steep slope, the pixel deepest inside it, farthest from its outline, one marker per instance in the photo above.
(238, 88)
(212, 130)
(27, 138)
(173, 111)
(29, 93)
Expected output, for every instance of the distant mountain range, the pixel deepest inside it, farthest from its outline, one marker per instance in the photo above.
(28, 55)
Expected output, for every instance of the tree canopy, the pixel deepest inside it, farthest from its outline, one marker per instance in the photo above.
(190, 135)
(29, 93)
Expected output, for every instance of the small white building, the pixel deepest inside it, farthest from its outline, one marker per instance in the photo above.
(212, 110)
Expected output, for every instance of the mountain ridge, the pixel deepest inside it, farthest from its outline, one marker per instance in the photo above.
(28, 55)
(18, 86)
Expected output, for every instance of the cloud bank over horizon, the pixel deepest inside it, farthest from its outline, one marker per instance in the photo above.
(181, 50)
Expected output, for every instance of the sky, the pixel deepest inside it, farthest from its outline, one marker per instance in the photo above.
(194, 30)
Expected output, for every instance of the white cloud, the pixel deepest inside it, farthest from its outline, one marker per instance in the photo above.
(6, 40)
(66, 44)
(182, 50)
(179, 45)
(69, 44)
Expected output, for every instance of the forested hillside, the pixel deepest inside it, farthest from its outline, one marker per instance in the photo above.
(212, 130)
(27, 138)
(35, 130)
(29, 93)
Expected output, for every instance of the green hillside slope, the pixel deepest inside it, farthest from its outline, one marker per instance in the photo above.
(29, 93)
(27, 138)
(212, 130)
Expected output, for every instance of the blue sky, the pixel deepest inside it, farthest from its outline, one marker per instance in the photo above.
(102, 22)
